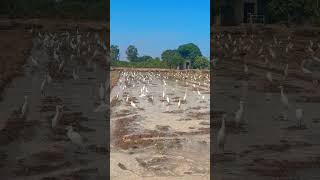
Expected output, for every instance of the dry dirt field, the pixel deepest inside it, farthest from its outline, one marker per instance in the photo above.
(47, 68)
(160, 125)
(270, 141)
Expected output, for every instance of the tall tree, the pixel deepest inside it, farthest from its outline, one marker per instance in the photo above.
(189, 51)
(201, 62)
(114, 53)
(172, 58)
(132, 53)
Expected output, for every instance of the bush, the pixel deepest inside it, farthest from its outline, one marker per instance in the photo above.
(146, 64)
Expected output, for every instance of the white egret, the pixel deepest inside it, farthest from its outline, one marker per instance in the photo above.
(239, 113)
(74, 136)
(49, 78)
(55, 120)
(101, 91)
(284, 98)
(222, 134)
(245, 68)
(299, 115)
(269, 76)
(74, 75)
(24, 108)
(133, 104)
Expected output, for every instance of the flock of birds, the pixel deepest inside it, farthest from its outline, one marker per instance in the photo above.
(67, 49)
(144, 81)
(271, 54)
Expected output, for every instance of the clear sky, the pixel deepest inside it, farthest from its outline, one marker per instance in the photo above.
(156, 25)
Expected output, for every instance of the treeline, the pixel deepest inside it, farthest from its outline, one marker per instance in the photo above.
(171, 58)
(293, 11)
(76, 9)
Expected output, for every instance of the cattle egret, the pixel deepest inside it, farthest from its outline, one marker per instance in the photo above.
(239, 113)
(299, 115)
(284, 98)
(245, 68)
(133, 104)
(43, 86)
(269, 76)
(101, 92)
(49, 79)
(24, 108)
(74, 75)
(222, 134)
(74, 136)
(56, 117)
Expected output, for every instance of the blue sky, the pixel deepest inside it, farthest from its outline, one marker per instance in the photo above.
(156, 25)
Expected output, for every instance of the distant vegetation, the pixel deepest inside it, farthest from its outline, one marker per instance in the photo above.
(77, 9)
(169, 58)
(294, 11)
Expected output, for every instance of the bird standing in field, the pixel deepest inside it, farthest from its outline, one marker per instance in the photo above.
(43, 84)
(24, 108)
(285, 103)
(74, 75)
(49, 78)
(284, 98)
(101, 92)
(133, 104)
(185, 96)
(239, 114)
(269, 76)
(245, 69)
(57, 116)
(299, 116)
(222, 134)
(74, 137)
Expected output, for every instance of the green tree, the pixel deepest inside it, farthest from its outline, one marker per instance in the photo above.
(114, 53)
(201, 62)
(189, 51)
(157, 59)
(145, 58)
(293, 11)
(167, 55)
(132, 53)
(177, 60)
